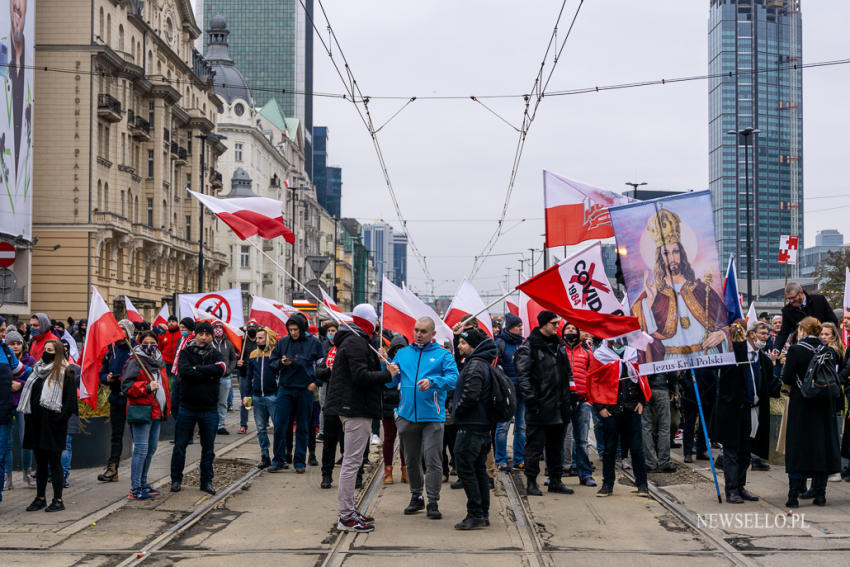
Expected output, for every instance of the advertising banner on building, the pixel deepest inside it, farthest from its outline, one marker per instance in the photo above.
(17, 42)
(669, 259)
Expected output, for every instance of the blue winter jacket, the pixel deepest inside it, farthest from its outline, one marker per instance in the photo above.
(508, 343)
(262, 379)
(304, 353)
(415, 363)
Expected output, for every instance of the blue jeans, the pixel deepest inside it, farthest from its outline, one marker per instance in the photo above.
(598, 432)
(292, 405)
(207, 422)
(66, 456)
(500, 449)
(145, 439)
(581, 418)
(5, 435)
(264, 408)
(17, 428)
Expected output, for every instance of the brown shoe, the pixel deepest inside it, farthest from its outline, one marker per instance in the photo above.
(404, 475)
(388, 475)
(110, 474)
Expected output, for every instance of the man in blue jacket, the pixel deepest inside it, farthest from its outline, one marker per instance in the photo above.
(294, 360)
(427, 373)
(111, 370)
(507, 341)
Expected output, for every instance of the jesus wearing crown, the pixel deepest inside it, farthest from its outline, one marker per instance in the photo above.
(682, 312)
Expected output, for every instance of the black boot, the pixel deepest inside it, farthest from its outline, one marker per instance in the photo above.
(557, 486)
(795, 486)
(265, 462)
(531, 488)
(807, 493)
(819, 489)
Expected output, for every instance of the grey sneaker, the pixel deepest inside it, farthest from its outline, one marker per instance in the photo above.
(29, 479)
(7, 483)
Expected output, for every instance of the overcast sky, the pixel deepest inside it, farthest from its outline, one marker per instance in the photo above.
(452, 159)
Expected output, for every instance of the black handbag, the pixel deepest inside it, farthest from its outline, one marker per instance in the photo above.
(139, 415)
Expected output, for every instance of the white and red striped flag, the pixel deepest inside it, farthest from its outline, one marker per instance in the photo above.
(576, 212)
(421, 309)
(578, 289)
(512, 307)
(248, 216)
(333, 309)
(467, 302)
(103, 330)
(396, 314)
(271, 314)
(751, 315)
(132, 313)
(162, 316)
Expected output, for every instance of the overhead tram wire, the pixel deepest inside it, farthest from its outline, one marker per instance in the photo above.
(539, 87)
(365, 115)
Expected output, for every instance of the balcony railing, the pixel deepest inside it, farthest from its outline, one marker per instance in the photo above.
(108, 107)
(166, 135)
(174, 148)
(182, 154)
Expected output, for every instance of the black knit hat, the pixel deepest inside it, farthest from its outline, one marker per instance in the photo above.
(473, 337)
(172, 318)
(545, 317)
(188, 322)
(203, 327)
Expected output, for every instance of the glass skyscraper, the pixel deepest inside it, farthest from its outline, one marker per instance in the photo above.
(327, 179)
(271, 42)
(752, 47)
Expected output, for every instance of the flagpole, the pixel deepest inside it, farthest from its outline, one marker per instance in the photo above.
(485, 309)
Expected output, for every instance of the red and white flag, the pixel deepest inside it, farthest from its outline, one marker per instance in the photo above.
(333, 309)
(751, 315)
(576, 212)
(465, 303)
(578, 289)
(271, 314)
(132, 313)
(248, 216)
(512, 307)
(162, 316)
(103, 330)
(233, 334)
(606, 367)
(396, 314)
(419, 308)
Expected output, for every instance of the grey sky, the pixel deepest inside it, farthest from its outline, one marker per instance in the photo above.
(451, 159)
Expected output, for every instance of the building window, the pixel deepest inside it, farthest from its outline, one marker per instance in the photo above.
(188, 181)
(150, 163)
(151, 111)
(150, 212)
(245, 257)
(246, 287)
(237, 152)
(188, 227)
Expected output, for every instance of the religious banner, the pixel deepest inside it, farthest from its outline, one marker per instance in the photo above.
(669, 259)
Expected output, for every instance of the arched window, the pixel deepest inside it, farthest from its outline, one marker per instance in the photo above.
(99, 202)
(136, 209)
(106, 203)
(100, 25)
(164, 213)
(120, 37)
(109, 29)
(123, 211)
(149, 70)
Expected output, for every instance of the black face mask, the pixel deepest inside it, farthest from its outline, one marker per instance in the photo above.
(252, 333)
(571, 337)
(48, 357)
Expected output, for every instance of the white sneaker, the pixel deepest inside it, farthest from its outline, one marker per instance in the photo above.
(375, 440)
(835, 477)
(7, 484)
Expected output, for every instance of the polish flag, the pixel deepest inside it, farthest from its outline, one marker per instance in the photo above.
(751, 315)
(396, 314)
(162, 316)
(420, 309)
(512, 307)
(233, 334)
(603, 378)
(271, 314)
(846, 305)
(103, 330)
(465, 303)
(248, 216)
(333, 309)
(577, 289)
(132, 313)
(576, 212)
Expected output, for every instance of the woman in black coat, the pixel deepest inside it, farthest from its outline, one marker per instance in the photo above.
(48, 400)
(811, 439)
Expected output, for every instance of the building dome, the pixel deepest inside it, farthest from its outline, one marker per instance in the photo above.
(228, 81)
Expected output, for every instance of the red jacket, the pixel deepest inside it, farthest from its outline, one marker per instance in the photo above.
(580, 357)
(167, 344)
(36, 346)
(138, 393)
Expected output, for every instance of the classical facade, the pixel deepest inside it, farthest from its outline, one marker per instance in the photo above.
(120, 134)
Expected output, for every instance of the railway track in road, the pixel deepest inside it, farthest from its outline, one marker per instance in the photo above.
(532, 544)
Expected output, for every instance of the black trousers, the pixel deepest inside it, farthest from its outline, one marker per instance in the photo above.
(332, 437)
(48, 462)
(735, 464)
(471, 448)
(450, 432)
(539, 437)
(625, 427)
(117, 420)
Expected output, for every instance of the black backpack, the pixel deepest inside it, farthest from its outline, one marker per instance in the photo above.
(821, 378)
(501, 406)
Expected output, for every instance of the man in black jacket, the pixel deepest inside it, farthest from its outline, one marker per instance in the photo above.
(200, 367)
(543, 378)
(473, 426)
(354, 394)
(801, 305)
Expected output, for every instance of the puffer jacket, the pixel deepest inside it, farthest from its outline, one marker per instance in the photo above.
(304, 353)
(136, 386)
(417, 362)
(543, 377)
(262, 379)
(471, 395)
(116, 357)
(357, 380)
(579, 356)
(200, 368)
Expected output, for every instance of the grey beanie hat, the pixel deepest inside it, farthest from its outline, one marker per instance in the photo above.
(13, 336)
(128, 327)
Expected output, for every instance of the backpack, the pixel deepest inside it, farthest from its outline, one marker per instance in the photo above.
(821, 379)
(502, 404)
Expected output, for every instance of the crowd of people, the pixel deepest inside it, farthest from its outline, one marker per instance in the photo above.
(342, 383)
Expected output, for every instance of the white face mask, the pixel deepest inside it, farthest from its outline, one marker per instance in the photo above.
(759, 344)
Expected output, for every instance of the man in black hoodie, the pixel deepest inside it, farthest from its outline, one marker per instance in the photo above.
(200, 367)
(543, 377)
(473, 426)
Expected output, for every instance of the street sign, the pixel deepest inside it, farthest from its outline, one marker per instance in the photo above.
(318, 264)
(7, 254)
(788, 249)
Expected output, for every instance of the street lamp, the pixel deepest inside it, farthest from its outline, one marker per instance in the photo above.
(635, 186)
(204, 139)
(743, 137)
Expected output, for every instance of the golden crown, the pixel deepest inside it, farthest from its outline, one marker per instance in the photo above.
(665, 227)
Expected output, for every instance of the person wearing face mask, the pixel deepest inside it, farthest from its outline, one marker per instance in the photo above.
(740, 390)
(187, 333)
(261, 387)
(111, 370)
(508, 341)
(618, 392)
(331, 328)
(811, 439)
(168, 342)
(249, 343)
(147, 390)
(12, 373)
(40, 332)
(228, 353)
(17, 346)
(48, 400)
(582, 411)
(80, 333)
